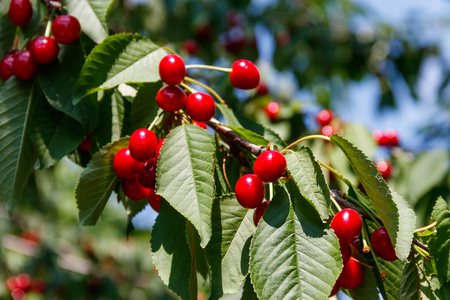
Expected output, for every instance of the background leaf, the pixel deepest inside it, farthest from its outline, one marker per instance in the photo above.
(409, 283)
(145, 108)
(440, 244)
(394, 271)
(7, 32)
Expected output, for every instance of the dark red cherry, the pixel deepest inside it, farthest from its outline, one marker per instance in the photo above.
(153, 199)
(142, 144)
(392, 137)
(147, 173)
(352, 275)
(324, 117)
(171, 98)
(66, 29)
(191, 47)
(272, 110)
(233, 40)
(270, 166)
(20, 12)
(259, 211)
(385, 169)
(158, 147)
(346, 251)
(244, 75)
(200, 107)
(200, 124)
(25, 67)
(356, 245)
(44, 49)
(262, 89)
(380, 138)
(335, 290)
(133, 189)
(7, 66)
(382, 244)
(250, 191)
(347, 225)
(124, 165)
(172, 69)
(328, 130)
(86, 144)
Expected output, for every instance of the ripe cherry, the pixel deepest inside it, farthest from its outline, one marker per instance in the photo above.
(171, 98)
(86, 144)
(382, 244)
(7, 66)
(172, 69)
(259, 211)
(44, 49)
(385, 169)
(356, 245)
(324, 117)
(20, 12)
(262, 89)
(352, 275)
(328, 130)
(233, 40)
(250, 191)
(200, 124)
(133, 189)
(147, 173)
(244, 75)
(158, 147)
(346, 251)
(392, 137)
(153, 199)
(190, 46)
(272, 110)
(270, 166)
(200, 107)
(335, 290)
(380, 138)
(25, 67)
(347, 225)
(124, 165)
(11, 283)
(66, 29)
(142, 144)
(18, 294)
(23, 281)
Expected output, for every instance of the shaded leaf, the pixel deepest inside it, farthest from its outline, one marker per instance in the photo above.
(409, 282)
(440, 243)
(145, 108)
(248, 293)
(394, 271)
(7, 32)
(250, 136)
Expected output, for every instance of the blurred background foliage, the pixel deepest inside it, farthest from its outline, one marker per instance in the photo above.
(312, 55)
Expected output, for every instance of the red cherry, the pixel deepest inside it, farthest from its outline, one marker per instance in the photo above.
(270, 166)
(171, 98)
(190, 46)
(385, 169)
(44, 49)
(346, 252)
(158, 147)
(86, 144)
(233, 40)
(328, 130)
(250, 191)
(392, 137)
(18, 294)
(133, 189)
(142, 144)
(200, 107)
(382, 244)
(20, 12)
(352, 275)
(259, 211)
(31, 236)
(147, 173)
(11, 283)
(347, 225)
(66, 29)
(272, 109)
(244, 75)
(153, 199)
(380, 138)
(355, 244)
(172, 69)
(200, 124)
(324, 117)
(25, 67)
(23, 281)
(124, 165)
(7, 66)
(38, 286)
(262, 89)
(335, 290)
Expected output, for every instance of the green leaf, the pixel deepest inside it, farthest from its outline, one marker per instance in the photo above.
(394, 271)
(97, 183)
(190, 238)
(145, 108)
(170, 251)
(121, 58)
(228, 250)
(392, 209)
(57, 81)
(7, 32)
(32, 29)
(201, 263)
(229, 116)
(17, 154)
(293, 255)
(440, 243)
(358, 135)
(185, 175)
(409, 283)
(132, 208)
(54, 134)
(92, 15)
(308, 176)
(250, 136)
(248, 293)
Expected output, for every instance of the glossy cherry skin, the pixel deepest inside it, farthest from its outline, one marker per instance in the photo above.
(259, 212)
(352, 275)
(335, 290)
(7, 66)
(328, 130)
(382, 244)
(200, 124)
(66, 29)
(20, 12)
(244, 75)
(324, 117)
(347, 225)
(250, 191)
(171, 98)
(272, 110)
(142, 144)
(153, 199)
(147, 173)
(44, 49)
(392, 137)
(346, 252)
(124, 165)
(200, 107)
(385, 169)
(25, 67)
(133, 189)
(172, 69)
(270, 166)
(158, 148)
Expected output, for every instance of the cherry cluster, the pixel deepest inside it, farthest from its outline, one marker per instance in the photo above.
(388, 138)
(41, 50)
(324, 118)
(21, 284)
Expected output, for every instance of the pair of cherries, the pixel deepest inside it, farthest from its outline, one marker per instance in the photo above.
(324, 118)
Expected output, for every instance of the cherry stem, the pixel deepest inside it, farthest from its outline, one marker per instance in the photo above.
(338, 207)
(155, 121)
(426, 227)
(213, 68)
(16, 40)
(169, 50)
(365, 237)
(361, 263)
(215, 94)
(48, 28)
(309, 137)
(225, 173)
(421, 251)
(334, 171)
(188, 87)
